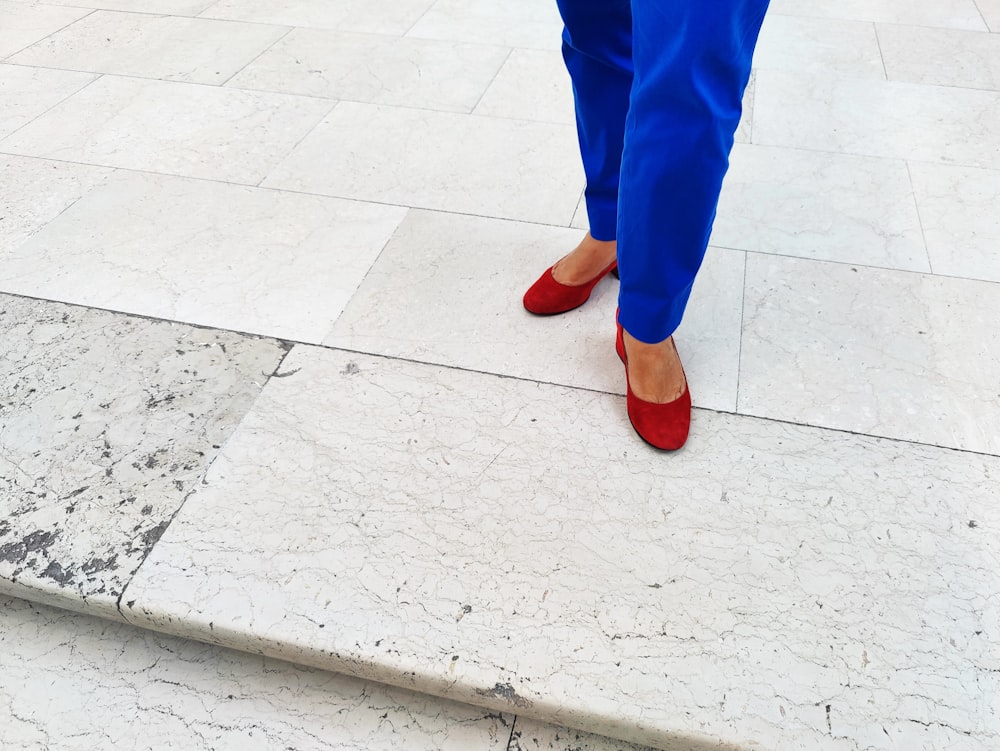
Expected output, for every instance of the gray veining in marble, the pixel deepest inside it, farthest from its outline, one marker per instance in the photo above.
(507, 543)
(106, 424)
(76, 683)
(529, 735)
(780, 587)
(914, 357)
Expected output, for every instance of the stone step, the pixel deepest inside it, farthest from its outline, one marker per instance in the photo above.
(77, 683)
(501, 542)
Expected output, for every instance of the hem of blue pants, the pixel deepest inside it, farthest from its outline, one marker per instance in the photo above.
(602, 215)
(653, 320)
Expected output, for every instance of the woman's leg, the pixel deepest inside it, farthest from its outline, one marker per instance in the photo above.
(691, 65)
(597, 49)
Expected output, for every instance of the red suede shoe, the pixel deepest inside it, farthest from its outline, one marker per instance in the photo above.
(547, 297)
(662, 426)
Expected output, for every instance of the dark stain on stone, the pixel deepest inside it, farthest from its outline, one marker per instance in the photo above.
(151, 536)
(973, 524)
(153, 402)
(28, 508)
(75, 493)
(57, 573)
(146, 510)
(96, 565)
(351, 369)
(506, 692)
(18, 552)
(155, 459)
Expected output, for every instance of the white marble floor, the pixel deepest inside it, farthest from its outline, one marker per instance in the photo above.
(74, 682)
(266, 381)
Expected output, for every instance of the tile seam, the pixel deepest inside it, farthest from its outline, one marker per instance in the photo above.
(5, 60)
(292, 343)
(96, 77)
(208, 468)
(268, 48)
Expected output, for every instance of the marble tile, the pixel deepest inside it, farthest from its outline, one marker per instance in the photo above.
(76, 683)
(376, 69)
(958, 212)
(991, 13)
(108, 423)
(247, 259)
(817, 205)
(36, 191)
(24, 23)
(530, 735)
(512, 169)
(348, 15)
(877, 118)
(846, 48)
(516, 23)
(744, 132)
(177, 128)
(447, 290)
(909, 356)
(437, 529)
(945, 57)
(26, 93)
(532, 85)
(954, 14)
(165, 47)
(166, 7)
(580, 218)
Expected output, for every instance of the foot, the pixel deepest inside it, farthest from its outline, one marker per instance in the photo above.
(586, 261)
(654, 370)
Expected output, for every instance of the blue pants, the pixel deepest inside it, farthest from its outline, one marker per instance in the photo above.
(659, 87)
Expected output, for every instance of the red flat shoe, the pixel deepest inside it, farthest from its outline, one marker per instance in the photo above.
(662, 426)
(547, 297)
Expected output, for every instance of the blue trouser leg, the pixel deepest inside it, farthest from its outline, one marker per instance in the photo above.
(597, 48)
(691, 61)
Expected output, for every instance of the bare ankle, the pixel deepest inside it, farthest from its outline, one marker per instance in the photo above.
(585, 261)
(655, 370)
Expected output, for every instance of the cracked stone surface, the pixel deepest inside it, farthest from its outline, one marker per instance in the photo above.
(529, 735)
(75, 683)
(72, 682)
(106, 424)
(505, 543)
